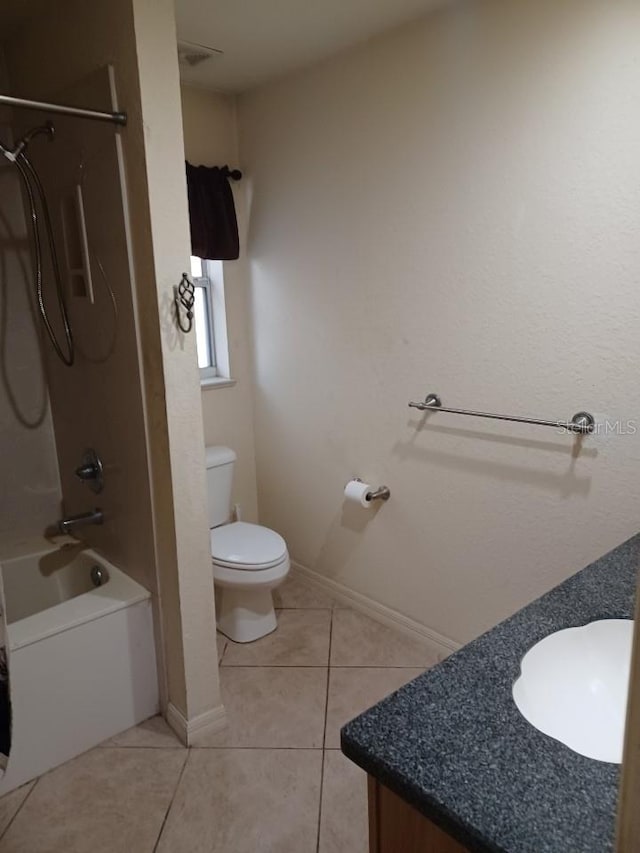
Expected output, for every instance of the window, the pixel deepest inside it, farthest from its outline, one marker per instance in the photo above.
(203, 319)
(210, 321)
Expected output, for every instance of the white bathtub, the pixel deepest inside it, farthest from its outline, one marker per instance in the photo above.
(82, 664)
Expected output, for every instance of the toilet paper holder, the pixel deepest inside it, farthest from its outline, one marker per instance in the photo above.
(382, 493)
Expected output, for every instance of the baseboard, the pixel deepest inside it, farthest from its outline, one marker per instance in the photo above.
(188, 731)
(443, 646)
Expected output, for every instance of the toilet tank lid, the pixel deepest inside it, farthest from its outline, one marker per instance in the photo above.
(219, 456)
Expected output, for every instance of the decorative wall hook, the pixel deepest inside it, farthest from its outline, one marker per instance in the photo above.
(184, 294)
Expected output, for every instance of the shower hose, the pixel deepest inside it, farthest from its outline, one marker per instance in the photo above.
(35, 192)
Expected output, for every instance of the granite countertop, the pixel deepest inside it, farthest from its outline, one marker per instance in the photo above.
(453, 744)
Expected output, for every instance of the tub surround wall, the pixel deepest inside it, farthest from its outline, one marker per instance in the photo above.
(210, 139)
(156, 499)
(98, 404)
(30, 496)
(451, 207)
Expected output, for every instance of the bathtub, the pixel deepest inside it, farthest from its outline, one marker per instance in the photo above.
(82, 664)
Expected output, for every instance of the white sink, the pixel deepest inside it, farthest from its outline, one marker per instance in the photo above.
(573, 686)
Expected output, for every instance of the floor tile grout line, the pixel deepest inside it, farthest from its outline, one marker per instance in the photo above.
(421, 666)
(173, 797)
(278, 666)
(320, 801)
(324, 734)
(326, 701)
(136, 746)
(20, 807)
(258, 748)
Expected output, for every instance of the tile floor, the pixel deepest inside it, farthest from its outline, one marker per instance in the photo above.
(274, 782)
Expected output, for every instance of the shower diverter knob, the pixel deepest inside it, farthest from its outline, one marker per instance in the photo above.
(90, 471)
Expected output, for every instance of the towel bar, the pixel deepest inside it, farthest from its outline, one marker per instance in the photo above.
(582, 423)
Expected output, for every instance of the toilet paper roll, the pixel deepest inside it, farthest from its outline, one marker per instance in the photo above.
(356, 492)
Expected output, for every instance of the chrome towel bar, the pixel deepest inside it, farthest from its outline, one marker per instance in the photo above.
(582, 423)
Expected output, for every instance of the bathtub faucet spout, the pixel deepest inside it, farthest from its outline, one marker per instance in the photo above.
(66, 525)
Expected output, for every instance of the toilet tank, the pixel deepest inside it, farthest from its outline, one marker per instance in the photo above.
(219, 462)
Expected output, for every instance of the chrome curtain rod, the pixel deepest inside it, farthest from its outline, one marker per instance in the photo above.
(582, 423)
(97, 115)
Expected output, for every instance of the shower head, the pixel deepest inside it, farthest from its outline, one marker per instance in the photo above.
(47, 128)
(44, 129)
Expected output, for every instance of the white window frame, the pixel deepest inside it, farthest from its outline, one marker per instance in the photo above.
(212, 283)
(204, 282)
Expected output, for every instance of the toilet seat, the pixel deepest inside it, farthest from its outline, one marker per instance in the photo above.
(241, 546)
(237, 578)
(245, 567)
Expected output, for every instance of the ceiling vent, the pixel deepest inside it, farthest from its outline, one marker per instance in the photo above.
(191, 54)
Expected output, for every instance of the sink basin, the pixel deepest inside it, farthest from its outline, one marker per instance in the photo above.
(573, 686)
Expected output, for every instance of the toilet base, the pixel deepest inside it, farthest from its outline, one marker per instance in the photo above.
(244, 615)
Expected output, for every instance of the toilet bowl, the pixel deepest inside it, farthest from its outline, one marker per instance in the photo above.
(248, 560)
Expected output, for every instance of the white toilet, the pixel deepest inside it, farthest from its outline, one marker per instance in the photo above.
(248, 560)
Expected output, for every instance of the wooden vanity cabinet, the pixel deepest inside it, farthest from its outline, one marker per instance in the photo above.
(396, 827)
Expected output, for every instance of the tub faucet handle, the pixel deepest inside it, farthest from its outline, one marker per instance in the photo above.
(90, 471)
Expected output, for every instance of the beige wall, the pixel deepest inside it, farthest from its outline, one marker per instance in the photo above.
(30, 495)
(209, 122)
(452, 207)
(148, 415)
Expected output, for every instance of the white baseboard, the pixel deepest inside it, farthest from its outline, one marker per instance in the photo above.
(442, 646)
(188, 731)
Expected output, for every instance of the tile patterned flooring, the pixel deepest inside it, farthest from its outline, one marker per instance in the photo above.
(274, 782)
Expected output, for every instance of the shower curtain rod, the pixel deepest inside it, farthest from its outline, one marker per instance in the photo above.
(97, 115)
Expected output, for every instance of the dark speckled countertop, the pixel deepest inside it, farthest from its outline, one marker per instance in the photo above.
(453, 744)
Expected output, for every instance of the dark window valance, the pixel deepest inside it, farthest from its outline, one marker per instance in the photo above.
(212, 213)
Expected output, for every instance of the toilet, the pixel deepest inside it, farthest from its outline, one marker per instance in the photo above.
(248, 560)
